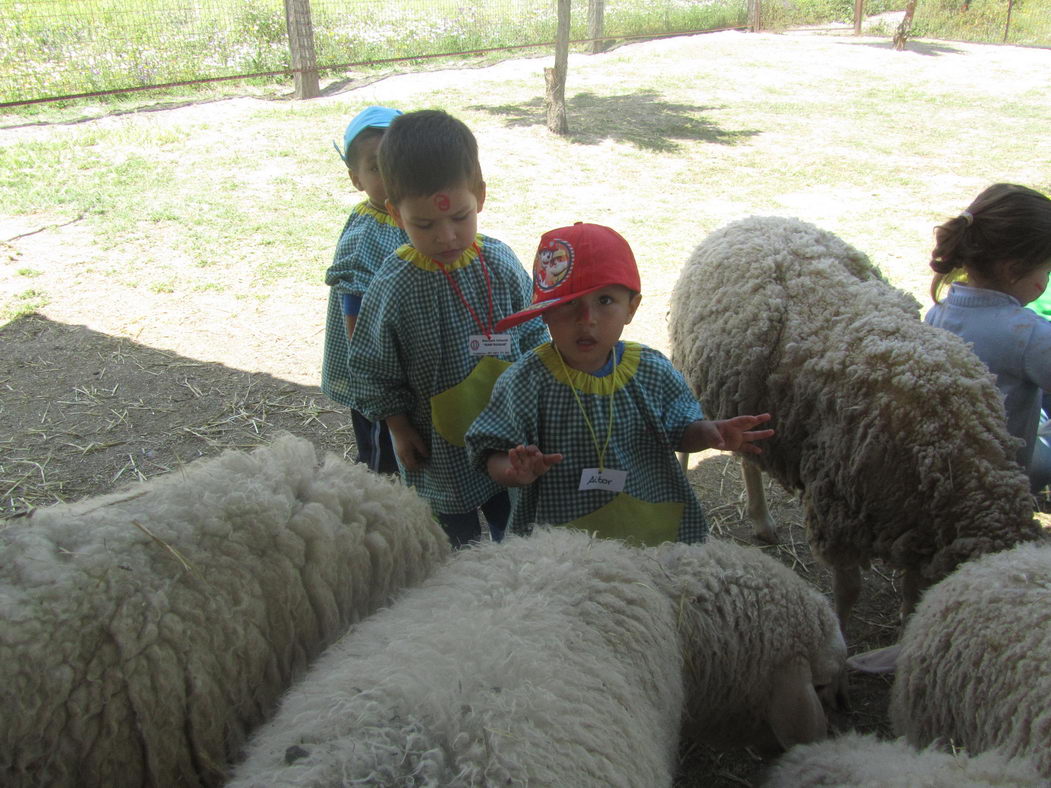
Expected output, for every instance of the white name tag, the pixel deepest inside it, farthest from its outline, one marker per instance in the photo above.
(494, 345)
(608, 479)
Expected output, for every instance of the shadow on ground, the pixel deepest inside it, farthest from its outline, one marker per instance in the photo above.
(916, 47)
(642, 119)
(83, 413)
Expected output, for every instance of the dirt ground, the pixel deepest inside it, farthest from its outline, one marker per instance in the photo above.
(85, 411)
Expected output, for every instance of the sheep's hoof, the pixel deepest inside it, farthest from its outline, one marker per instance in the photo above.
(765, 532)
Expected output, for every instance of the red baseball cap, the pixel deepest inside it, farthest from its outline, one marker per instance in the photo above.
(574, 261)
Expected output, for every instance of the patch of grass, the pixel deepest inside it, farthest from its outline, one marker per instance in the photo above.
(29, 273)
(23, 304)
(984, 20)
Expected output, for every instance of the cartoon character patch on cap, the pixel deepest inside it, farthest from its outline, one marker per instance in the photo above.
(553, 264)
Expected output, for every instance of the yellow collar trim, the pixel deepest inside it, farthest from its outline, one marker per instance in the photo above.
(588, 383)
(366, 209)
(411, 254)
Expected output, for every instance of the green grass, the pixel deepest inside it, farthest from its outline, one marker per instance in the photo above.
(22, 304)
(61, 47)
(985, 21)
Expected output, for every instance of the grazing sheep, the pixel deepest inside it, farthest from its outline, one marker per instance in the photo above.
(147, 632)
(975, 661)
(866, 762)
(893, 430)
(559, 659)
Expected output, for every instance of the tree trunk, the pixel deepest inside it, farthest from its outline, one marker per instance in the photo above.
(301, 44)
(596, 14)
(755, 15)
(859, 15)
(556, 77)
(902, 33)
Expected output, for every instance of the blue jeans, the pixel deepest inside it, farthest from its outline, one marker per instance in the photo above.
(375, 448)
(462, 528)
(1040, 465)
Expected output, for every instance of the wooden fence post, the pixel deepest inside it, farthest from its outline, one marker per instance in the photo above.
(596, 14)
(301, 44)
(555, 78)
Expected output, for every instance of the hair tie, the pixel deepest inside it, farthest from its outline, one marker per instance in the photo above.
(967, 217)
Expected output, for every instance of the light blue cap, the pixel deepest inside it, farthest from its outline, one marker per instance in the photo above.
(368, 118)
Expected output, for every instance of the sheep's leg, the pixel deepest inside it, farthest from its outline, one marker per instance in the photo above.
(762, 522)
(846, 587)
(912, 586)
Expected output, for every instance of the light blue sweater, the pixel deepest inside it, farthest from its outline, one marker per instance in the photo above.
(1014, 342)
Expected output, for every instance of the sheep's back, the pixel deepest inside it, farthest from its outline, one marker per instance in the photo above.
(893, 429)
(544, 660)
(975, 662)
(146, 632)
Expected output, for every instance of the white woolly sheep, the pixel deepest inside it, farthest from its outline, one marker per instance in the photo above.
(559, 659)
(866, 762)
(146, 632)
(975, 661)
(893, 430)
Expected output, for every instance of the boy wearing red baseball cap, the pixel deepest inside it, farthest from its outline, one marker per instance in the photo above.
(587, 425)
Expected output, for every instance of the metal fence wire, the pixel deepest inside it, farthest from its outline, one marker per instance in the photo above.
(68, 48)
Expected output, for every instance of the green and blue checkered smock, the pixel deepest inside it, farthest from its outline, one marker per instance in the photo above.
(533, 403)
(368, 238)
(410, 355)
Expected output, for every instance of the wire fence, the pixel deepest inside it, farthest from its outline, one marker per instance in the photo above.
(54, 49)
(62, 49)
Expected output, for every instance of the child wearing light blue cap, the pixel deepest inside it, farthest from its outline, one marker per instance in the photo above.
(368, 237)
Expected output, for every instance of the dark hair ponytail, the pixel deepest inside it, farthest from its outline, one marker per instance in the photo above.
(1005, 222)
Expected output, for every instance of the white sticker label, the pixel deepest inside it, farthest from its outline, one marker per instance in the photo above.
(607, 479)
(494, 345)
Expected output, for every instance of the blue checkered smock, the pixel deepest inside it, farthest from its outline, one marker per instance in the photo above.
(410, 355)
(532, 403)
(368, 238)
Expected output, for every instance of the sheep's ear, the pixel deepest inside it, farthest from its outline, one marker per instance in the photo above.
(795, 713)
(880, 660)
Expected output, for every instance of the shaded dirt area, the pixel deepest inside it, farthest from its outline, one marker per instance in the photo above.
(83, 413)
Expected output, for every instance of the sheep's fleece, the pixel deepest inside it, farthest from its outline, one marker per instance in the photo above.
(975, 661)
(146, 632)
(866, 762)
(558, 659)
(893, 429)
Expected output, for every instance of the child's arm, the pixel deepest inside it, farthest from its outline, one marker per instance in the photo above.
(408, 444)
(351, 303)
(734, 434)
(520, 466)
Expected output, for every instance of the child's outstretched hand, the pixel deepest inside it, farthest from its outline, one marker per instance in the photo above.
(520, 466)
(737, 434)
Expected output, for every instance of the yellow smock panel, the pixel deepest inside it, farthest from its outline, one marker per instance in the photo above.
(634, 520)
(453, 410)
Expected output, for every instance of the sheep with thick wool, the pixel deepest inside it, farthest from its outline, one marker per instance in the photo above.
(559, 659)
(863, 761)
(975, 660)
(893, 430)
(147, 632)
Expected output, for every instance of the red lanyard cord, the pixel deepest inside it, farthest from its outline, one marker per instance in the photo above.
(486, 329)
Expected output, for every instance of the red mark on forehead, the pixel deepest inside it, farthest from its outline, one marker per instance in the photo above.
(441, 201)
